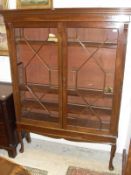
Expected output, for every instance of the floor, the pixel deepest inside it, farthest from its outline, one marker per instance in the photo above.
(57, 157)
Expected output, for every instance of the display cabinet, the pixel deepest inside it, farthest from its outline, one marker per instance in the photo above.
(67, 68)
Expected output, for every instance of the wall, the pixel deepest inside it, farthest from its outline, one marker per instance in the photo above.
(125, 113)
(5, 69)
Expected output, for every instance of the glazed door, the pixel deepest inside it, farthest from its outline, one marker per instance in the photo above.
(94, 72)
(37, 74)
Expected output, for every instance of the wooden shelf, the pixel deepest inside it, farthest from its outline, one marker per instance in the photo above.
(71, 108)
(77, 108)
(111, 45)
(31, 103)
(39, 116)
(36, 42)
(73, 92)
(88, 123)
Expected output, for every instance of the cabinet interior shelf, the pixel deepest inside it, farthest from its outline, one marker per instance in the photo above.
(35, 42)
(73, 92)
(72, 108)
(111, 45)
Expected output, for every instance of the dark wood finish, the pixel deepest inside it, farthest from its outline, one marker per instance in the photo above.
(67, 68)
(126, 162)
(8, 132)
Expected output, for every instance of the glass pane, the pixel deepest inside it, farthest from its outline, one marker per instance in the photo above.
(37, 60)
(91, 69)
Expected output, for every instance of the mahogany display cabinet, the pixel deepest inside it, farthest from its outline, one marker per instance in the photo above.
(67, 69)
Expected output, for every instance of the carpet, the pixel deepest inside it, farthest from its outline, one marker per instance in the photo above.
(81, 171)
(36, 171)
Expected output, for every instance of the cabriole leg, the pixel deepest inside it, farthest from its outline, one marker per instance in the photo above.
(12, 153)
(28, 137)
(21, 141)
(112, 154)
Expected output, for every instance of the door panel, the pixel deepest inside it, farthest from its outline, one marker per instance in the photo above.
(91, 60)
(38, 67)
